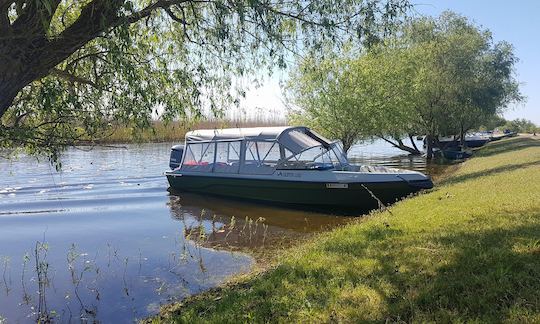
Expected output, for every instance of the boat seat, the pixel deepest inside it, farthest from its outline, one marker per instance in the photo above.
(254, 167)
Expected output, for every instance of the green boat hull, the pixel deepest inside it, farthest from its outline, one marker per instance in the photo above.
(300, 193)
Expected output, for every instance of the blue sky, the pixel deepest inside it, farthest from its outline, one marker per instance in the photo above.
(517, 22)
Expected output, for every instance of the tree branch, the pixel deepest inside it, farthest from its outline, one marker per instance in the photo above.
(73, 78)
(147, 11)
(36, 16)
(174, 17)
(5, 24)
(85, 56)
(96, 17)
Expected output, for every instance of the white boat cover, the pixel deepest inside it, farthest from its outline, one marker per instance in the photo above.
(295, 139)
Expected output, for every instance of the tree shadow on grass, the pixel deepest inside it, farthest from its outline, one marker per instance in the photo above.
(508, 145)
(492, 276)
(489, 172)
(486, 275)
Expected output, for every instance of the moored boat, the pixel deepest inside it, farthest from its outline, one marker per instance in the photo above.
(472, 141)
(509, 133)
(286, 165)
(455, 154)
(496, 137)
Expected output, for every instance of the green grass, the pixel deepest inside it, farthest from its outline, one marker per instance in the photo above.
(468, 251)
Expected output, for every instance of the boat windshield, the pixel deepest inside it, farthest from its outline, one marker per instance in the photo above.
(315, 158)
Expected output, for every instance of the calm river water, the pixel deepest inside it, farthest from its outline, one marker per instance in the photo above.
(103, 240)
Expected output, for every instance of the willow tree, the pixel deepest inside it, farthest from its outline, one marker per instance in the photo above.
(462, 77)
(344, 96)
(68, 68)
(327, 96)
(438, 76)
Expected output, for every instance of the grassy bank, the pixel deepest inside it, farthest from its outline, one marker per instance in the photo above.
(469, 250)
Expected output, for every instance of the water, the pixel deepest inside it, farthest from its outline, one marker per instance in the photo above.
(379, 152)
(104, 240)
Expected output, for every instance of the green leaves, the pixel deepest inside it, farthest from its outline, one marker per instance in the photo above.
(103, 62)
(438, 76)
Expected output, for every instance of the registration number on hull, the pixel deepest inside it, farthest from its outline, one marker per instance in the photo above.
(337, 185)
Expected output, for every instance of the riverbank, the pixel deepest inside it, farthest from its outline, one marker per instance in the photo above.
(466, 251)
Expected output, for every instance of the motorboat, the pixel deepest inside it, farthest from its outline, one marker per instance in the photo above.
(471, 141)
(496, 137)
(454, 154)
(284, 165)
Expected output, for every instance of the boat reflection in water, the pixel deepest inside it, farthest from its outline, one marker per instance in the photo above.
(223, 223)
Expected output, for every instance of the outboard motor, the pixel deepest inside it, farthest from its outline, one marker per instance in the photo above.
(176, 156)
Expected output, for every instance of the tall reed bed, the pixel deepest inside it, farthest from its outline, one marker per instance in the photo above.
(175, 131)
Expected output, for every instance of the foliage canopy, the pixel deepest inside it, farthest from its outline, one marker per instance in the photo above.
(439, 76)
(71, 68)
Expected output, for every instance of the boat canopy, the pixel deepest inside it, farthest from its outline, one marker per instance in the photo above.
(295, 139)
(260, 150)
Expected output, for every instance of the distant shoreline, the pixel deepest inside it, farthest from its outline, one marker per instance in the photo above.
(161, 132)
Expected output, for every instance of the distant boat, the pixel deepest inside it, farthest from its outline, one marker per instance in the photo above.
(286, 165)
(456, 154)
(471, 141)
(509, 133)
(496, 137)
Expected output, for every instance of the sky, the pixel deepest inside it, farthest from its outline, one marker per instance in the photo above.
(517, 22)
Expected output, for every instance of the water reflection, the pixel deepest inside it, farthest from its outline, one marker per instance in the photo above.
(97, 242)
(381, 153)
(109, 285)
(104, 240)
(230, 224)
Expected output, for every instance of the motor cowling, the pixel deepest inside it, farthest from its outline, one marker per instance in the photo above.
(176, 156)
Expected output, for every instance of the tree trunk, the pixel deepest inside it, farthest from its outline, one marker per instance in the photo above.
(14, 76)
(462, 137)
(401, 146)
(346, 146)
(429, 147)
(413, 151)
(414, 144)
(21, 64)
(26, 53)
(6, 98)
(9, 88)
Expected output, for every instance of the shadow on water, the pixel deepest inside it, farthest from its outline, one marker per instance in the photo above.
(286, 212)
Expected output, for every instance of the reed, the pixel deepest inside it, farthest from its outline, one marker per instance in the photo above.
(176, 131)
